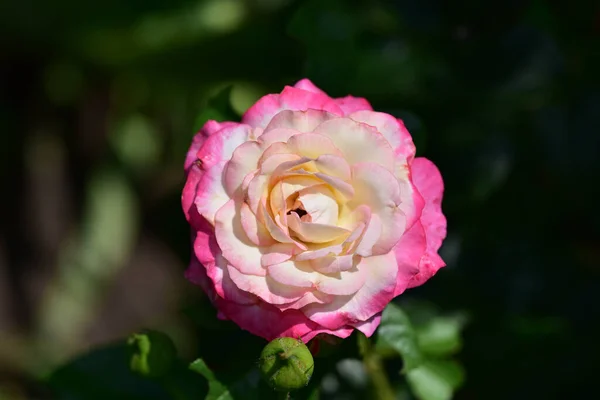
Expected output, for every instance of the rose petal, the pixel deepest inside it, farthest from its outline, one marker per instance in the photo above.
(429, 182)
(358, 142)
(333, 264)
(392, 129)
(243, 161)
(210, 193)
(254, 229)
(188, 195)
(369, 326)
(312, 145)
(209, 128)
(290, 98)
(299, 121)
(223, 284)
(333, 165)
(371, 299)
(379, 189)
(235, 245)
(221, 145)
(265, 287)
(319, 202)
(314, 233)
(350, 104)
(409, 252)
(306, 84)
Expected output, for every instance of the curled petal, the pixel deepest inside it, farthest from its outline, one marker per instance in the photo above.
(319, 202)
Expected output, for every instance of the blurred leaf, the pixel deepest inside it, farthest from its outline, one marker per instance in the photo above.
(137, 142)
(217, 390)
(440, 336)
(218, 108)
(435, 380)
(397, 332)
(103, 374)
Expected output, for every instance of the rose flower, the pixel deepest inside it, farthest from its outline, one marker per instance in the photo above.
(310, 215)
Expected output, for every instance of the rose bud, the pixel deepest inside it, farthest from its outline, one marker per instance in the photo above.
(286, 364)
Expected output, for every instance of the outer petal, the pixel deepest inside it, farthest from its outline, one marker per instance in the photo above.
(221, 145)
(306, 84)
(368, 327)
(350, 104)
(409, 252)
(269, 322)
(394, 131)
(371, 299)
(210, 192)
(429, 182)
(196, 273)
(290, 98)
(209, 128)
(188, 195)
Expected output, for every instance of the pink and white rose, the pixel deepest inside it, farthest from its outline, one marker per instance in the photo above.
(310, 215)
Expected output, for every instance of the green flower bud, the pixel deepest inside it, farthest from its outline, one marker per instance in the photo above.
(153, 354)
(286, 364)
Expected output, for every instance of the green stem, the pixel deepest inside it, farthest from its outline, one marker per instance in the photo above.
(374, 365)
(283, 396)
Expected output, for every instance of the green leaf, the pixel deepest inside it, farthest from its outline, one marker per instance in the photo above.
(218, 108)
(440, 336)
(397, 332)
(435, 380)
(216, 390)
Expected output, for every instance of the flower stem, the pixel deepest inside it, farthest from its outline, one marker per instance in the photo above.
(382, 389)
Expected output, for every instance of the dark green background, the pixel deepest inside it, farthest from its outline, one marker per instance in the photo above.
(99, 100)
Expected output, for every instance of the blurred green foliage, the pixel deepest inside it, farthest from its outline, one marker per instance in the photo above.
(99, 101)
